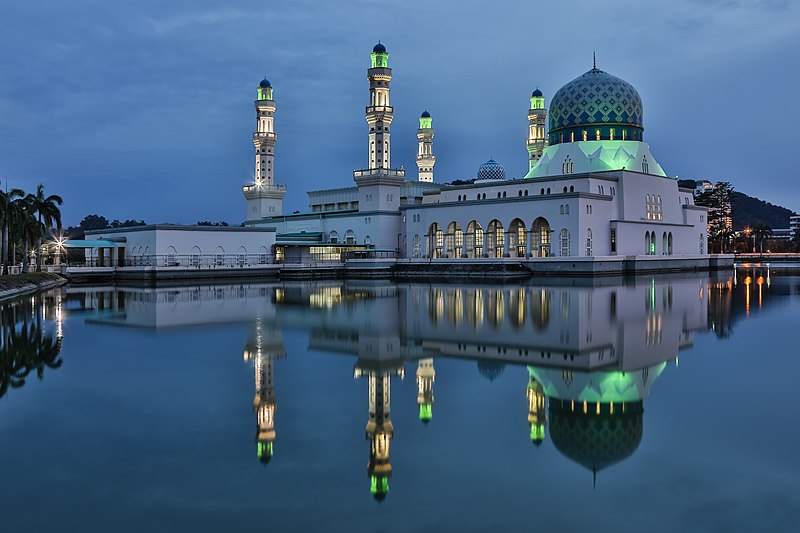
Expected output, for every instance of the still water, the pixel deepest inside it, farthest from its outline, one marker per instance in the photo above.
(649, 404)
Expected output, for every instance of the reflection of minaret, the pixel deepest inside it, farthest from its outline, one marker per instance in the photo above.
(426, 375)
(536, 410)
(379, 427)
(263, 347)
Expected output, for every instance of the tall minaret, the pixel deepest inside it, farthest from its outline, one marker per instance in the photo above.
(537, 140)
(425, 157)
(536, 409)
(379, 111)
(264, 197)
(379, 184)
(426, 375)
(379, 427)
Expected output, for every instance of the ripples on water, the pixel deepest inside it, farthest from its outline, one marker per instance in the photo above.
(270, 405)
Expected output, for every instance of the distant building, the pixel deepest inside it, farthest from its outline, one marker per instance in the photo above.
(794, 224)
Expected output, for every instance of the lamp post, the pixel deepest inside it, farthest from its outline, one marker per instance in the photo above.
(747, 232)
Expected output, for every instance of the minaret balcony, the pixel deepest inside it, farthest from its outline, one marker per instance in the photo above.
(380, 109)
(260, 190)
(271, 135)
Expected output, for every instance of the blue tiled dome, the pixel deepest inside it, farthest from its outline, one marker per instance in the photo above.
(536, 92)
(425, 114)
(491, 170)
(379, 48)
(595, 100)
(265, 83)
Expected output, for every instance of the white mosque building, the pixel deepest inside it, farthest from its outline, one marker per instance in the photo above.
(593, 188)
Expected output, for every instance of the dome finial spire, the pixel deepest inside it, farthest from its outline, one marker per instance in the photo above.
(594, 60)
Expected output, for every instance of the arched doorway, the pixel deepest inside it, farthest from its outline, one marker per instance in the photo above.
(434, 241)
(495, 235)
(517, 238)
(474, 238)
(454, 240)
(540, 238)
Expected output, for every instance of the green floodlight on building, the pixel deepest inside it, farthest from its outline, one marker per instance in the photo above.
(265, 90)
(379, 56)
(425, 120)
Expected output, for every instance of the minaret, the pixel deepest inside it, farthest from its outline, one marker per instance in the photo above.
(264, 197)
(537, 140)
(426, 375)
(379, 184)
(379, 427)
(536, 410)
(425, 157)
(379, 111)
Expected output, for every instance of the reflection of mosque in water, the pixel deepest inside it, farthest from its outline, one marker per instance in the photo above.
(591, 353)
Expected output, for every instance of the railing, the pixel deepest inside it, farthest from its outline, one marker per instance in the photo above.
(207, 261)
(250, 188)
(370, 172)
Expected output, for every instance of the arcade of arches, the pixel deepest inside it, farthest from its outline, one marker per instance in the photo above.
(495, 240)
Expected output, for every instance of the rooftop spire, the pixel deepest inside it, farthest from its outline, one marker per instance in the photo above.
(594, 60)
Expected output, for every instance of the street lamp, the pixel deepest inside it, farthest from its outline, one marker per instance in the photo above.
(748, 230)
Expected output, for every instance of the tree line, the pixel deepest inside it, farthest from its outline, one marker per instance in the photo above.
(26, 219)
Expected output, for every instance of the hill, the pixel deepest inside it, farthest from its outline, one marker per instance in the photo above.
(749, 211)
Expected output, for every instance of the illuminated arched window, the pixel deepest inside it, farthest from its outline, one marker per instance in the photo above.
(588, 242)
(564, 241)
(585, 135)
(597, 134)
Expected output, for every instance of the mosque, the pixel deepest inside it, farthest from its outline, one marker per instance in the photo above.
(593, 188)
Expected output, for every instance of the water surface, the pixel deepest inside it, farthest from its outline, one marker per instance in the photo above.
(654, 403)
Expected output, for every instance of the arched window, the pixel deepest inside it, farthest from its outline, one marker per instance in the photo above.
(669, 243)
(368, 240)
(474, 240)
(597, 134)
(565, 188)
(350, 237)
(585, 135)
(548, 190)
(415, 251)
(333, 237)
(588, 242)
(571, 188)
(646, 243)
(564, 243)
(541, 192)
(645, 166)
(664, 243)
(496, 237)
(566, 210)
(561, 209)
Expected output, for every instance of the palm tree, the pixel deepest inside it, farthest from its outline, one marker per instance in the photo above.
(761, 232)
(29, 229)
(47, 211)
(8, 214)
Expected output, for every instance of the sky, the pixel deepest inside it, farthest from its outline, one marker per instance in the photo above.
(144, 109)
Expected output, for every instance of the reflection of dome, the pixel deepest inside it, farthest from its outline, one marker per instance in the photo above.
(491, 170)
(379, 48)
(593, 100)
(490, 369)
(536, 92)
(593, 440)
(265, 83)
(425, 114)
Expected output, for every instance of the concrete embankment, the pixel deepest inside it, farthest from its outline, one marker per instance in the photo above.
(16, 285)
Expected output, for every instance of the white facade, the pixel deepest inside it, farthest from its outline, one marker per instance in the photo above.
(580, 198)
(174, 246)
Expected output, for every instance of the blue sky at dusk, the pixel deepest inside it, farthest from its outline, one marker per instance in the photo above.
(144, 109)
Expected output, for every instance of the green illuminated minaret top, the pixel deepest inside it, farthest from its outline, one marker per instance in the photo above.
(265, 90)
(379, 56)
(425, 120)
(537, 99)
